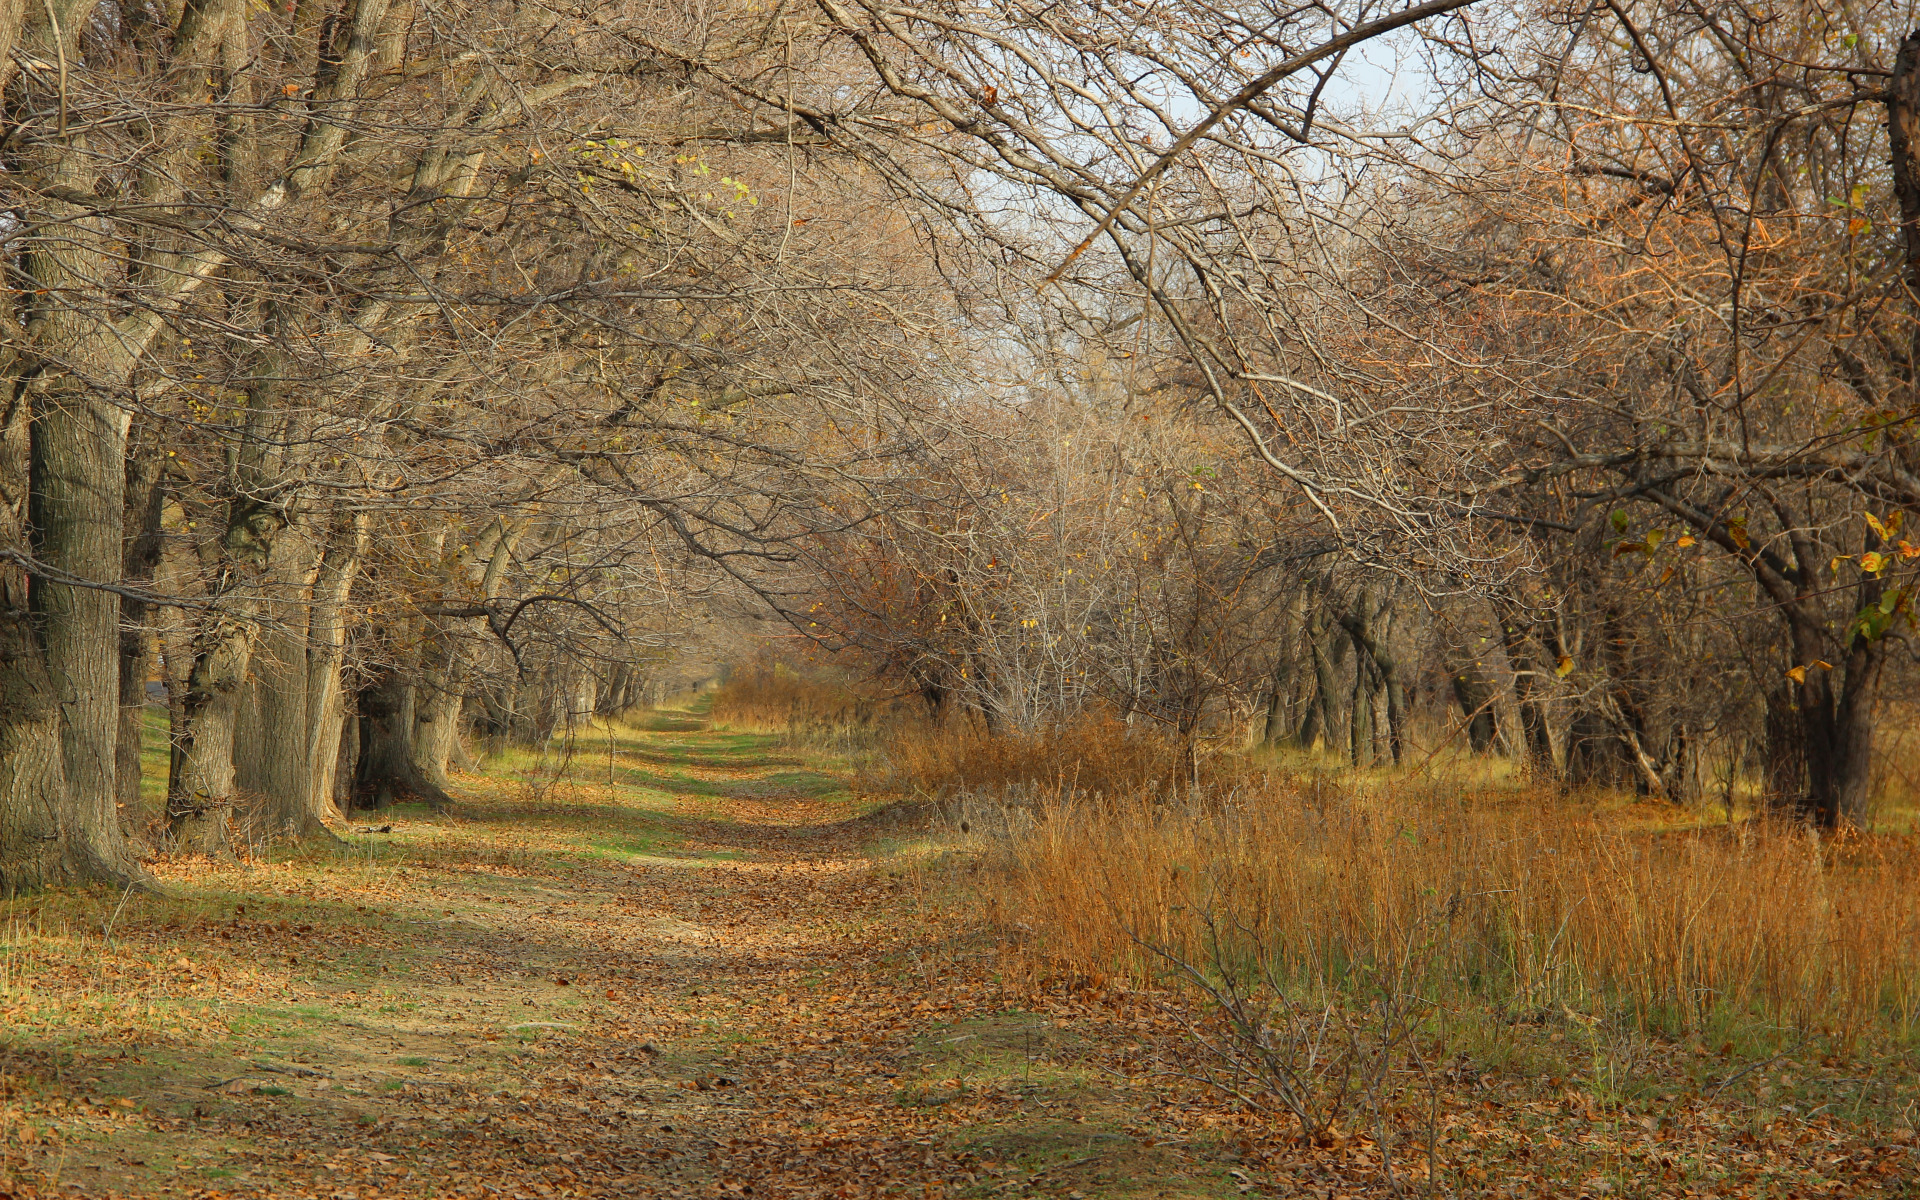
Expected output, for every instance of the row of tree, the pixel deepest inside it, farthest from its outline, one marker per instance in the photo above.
(387, 369)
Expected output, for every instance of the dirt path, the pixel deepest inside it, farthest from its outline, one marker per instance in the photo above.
(699, 966)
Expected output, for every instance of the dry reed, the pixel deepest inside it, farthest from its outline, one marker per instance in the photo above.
(1543, 906)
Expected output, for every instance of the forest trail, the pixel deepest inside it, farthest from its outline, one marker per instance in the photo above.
(699, 964)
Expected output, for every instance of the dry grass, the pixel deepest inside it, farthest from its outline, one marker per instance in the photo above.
(807, 709)
(1535, 906)
(1095, 755)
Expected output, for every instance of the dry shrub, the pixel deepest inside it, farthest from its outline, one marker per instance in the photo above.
(1094, 755)
(1546, 906)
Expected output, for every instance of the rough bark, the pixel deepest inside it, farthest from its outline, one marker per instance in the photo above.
(437, 702)
(271, 757)
(1530, 697)
(386, 771)
(1477, 695)
(327, 719)
(1369, 626)
(1323, 711)
(141, 558)
(1286, 672)
(33, 853)
(201, 799)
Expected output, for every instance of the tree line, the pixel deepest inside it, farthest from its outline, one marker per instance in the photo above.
(386, 373)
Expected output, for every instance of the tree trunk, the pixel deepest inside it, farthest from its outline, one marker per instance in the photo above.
(1368, 627)
(386, 771)
(1838, 732)
(437, 706)
(1285, 673)
(200, 804)
(1476, 695)
(141, 557)
(33, 852)
(1323, 711)
(327, 781)
(298, 667)
(1783, 754)
(1529, 696)
(277, 762)
(1360, 710)
(346, 757)
(78, 465)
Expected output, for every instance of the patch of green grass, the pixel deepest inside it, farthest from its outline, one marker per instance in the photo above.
(638, 843)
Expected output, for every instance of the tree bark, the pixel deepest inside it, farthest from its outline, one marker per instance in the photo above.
(1323, 711)
(79, 452)
(141, 558)
(386, 771)
(326, 693)
(33, 850)
(1367, 626)
(436, 703)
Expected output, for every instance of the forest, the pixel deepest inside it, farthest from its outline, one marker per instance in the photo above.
(1110, 598)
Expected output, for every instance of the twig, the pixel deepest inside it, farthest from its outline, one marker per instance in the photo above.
(1061, 1166)
(292, 1069)
(106, 934)
(1737, 1076)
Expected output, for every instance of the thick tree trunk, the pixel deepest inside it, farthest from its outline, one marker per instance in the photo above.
(1368, 626)
(200, 802)
(141, 555)
(1529, 697)
(346, 756)
(1360, 715)
(33, 854)
(1286, 672)
(1477, 697)
(78, 463)
(276, 763)
(1838, 739)
(62, 490)
(1323, 711)
(386, 771)
(437, 705)
(328, 782)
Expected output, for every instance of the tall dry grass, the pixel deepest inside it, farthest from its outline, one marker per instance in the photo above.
(1531, 906)
(1093, 755)
(803, 708)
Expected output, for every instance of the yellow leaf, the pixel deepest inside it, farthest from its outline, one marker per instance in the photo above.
(1797, 674)
(1875, 523)
(1873, 561)
(1834, 566)
(1686, 539)
(1565, 667)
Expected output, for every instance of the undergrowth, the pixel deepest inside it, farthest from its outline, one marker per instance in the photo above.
(1544, 906)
